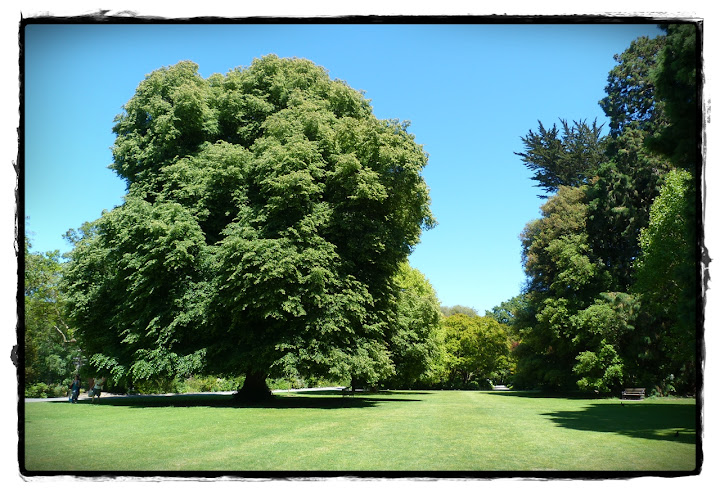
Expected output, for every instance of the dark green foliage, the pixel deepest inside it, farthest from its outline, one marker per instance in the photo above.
(630, 100)
(676, 77)
(556, 254)
(506, 312)
(267, 212)
(603, 331)
(168, 118)
(619, 202)
(135, 285)
(570, 157)
(563, 279)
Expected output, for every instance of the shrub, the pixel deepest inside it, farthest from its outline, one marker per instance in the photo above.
(211, 383)
(37, 390)
(158, 386)
(43, 390)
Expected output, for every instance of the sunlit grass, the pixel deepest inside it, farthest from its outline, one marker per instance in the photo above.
(405, 431)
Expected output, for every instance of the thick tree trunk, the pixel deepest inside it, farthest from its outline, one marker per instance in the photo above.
(254, 388)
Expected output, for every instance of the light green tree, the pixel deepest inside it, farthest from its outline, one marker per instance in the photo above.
(475, 348)
(666, 276)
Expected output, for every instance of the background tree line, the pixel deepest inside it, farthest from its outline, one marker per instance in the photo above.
(612, 263)
(430, 346)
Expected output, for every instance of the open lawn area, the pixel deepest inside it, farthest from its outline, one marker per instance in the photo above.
(389, 431)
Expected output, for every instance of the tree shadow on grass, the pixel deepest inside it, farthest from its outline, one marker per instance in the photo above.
(638, 419)
(671, 422)
(319, 400)
(539, 394)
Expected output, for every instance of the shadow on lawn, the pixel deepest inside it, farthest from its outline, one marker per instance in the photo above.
(539, 394)
(671, 422)
(639, 419)
(319, 400)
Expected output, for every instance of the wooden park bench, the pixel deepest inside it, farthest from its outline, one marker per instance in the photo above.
(634, 393)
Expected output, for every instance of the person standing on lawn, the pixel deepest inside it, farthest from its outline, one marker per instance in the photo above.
(75, 389)
(97, 388)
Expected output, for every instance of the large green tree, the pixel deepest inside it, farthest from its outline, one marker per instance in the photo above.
(612, 263)
(630, 178)
(563, 278)
(619, 202)
(676, 76)
(267, 213)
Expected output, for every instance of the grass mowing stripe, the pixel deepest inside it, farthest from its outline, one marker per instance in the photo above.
(412, 430)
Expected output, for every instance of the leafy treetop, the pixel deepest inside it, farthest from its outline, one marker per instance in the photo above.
(267, 213)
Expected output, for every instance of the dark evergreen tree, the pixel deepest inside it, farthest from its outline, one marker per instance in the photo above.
(619, 204)
(630, 101)
(677, 77)
(570, 157)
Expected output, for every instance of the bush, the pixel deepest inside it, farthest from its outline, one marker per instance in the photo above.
(211, 383)
(286, 383)
(37, 390)
(44, 391)
(159, 386)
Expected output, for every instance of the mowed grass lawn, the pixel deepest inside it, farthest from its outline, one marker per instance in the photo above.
(389, 431)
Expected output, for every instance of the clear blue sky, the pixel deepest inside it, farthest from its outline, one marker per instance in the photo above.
(470, 91)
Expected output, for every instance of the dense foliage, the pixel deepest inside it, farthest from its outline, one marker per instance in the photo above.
(416, 339)
(476, 351)
(611, 265)
(267, 212)
(567, 158)
(50, 348)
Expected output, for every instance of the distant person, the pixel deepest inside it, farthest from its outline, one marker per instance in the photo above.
(75, 389)
(97, 388)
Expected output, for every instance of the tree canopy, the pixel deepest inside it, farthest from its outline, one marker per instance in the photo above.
(611, 264)
(50, 346)
(476, 348)
(267, 213)
(630, 89)
(563, 158)
(415, 341)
